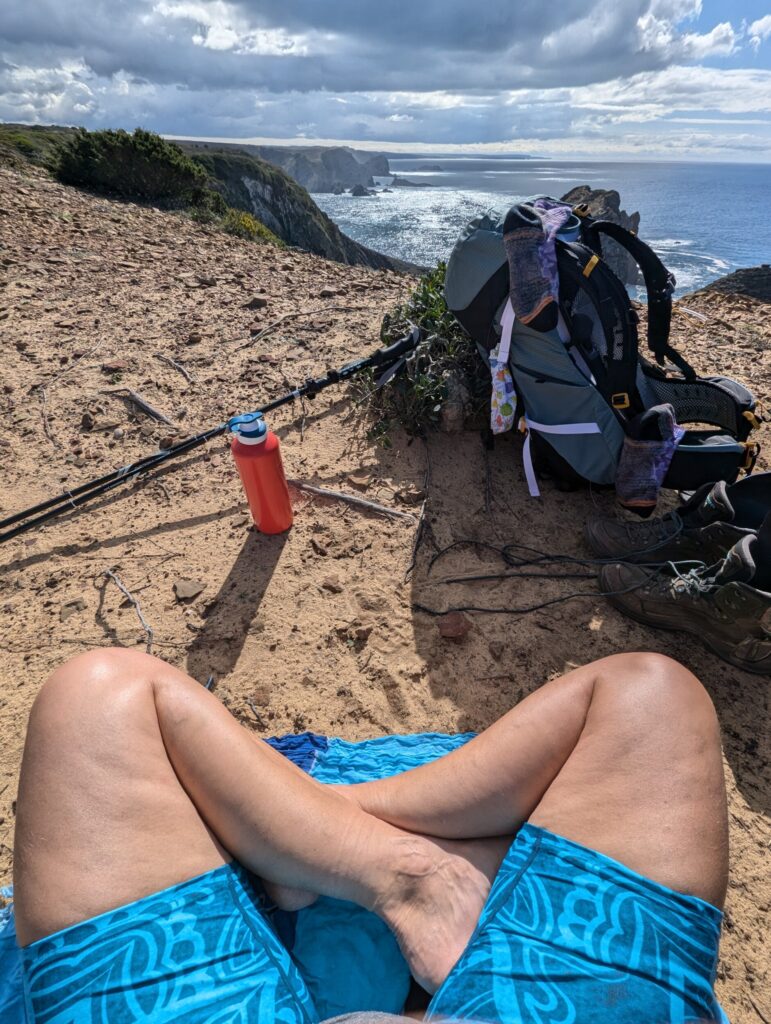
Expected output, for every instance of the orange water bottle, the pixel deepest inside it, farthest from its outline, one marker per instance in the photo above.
(258, 460)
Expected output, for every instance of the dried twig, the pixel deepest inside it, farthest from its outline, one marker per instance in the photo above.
(253, 708)
(422, 516)
(132, 600)
(678, 307)
(300, 313)
(177, 366)
(43, 390)
(759, 1012)
(350, 499)
(142, 403)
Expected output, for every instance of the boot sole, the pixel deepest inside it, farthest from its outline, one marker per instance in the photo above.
(726, 653)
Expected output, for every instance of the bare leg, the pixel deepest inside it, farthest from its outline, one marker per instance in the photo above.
(622, 756)
(135, 778)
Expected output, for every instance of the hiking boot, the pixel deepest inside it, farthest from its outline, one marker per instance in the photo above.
(728, 604)
(703, 529)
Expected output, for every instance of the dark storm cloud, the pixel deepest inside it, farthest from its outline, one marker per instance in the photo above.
(444, 72)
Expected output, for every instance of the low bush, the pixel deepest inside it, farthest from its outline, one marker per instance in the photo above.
(139, 165)
(244, 225)
(413, 399)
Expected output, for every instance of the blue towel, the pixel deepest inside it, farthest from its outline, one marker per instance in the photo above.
(359, 963)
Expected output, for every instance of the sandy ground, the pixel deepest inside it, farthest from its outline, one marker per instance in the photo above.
(315, 629)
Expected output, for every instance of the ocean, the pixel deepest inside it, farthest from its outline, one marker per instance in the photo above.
(703, 219)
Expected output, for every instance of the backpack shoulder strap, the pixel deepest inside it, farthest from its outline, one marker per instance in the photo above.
(580, 269)
(659, 284)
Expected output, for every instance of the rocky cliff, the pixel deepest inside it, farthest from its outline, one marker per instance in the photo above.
(605, 204)
(316, 168)
(283, 206)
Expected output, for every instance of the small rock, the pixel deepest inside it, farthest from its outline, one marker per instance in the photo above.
(186, 590)
(205, 281)
(69, 608)
(194, 338)
(258, 302)
(115, 366)
(360, 480)
(318, 547)
(362, 633)
(261, 695)
(87, 421)
(410, 496)
(147, 429)
(332, 584)
(119, 433)
(454, 625)
(327, 293)
(497, 648)
(167, 441)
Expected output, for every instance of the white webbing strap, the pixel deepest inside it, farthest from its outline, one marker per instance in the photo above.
(549, 428)
(508, 316)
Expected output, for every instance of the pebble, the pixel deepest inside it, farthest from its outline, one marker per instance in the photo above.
(454, 626)
(332, 584)
(258, 302)
(119, 433)
(69, 608)
(186, 590)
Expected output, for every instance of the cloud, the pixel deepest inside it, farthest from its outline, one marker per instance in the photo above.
(442, 71)
(758, 31)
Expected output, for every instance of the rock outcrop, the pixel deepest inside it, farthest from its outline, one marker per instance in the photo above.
(605, 204)
(754, 282)
(316, 168)
(251, 184)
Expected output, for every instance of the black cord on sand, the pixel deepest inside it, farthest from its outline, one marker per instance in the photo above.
(543, 558)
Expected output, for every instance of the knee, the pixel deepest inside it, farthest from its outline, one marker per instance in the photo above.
(89, 687)
(655, 688)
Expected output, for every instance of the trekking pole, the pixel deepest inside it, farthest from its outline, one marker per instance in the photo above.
(383, 358)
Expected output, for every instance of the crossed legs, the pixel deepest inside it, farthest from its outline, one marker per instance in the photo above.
(135, 778)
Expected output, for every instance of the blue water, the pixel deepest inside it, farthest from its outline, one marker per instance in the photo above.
(704, 220)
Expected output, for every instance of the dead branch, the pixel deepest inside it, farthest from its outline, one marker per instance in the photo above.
(177, 366)
(350, 499)
(137, 607)
(142, 404)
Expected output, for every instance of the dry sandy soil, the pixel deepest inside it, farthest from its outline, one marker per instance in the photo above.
(315, 629)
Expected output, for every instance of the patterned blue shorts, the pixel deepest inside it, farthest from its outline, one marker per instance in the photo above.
(567, 936)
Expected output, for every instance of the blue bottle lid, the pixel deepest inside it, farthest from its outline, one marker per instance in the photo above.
(250, 428)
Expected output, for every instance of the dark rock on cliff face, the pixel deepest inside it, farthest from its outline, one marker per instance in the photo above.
(316, 168)
(754, 281)
(251, 184)
(398, 182)
(605, 204)
(321, 168)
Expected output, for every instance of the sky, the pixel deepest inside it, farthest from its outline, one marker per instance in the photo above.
(599, 79)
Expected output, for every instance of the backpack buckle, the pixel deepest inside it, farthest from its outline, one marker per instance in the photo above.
(752, 419)
(751, 452)
(620, 400)
(582, 210)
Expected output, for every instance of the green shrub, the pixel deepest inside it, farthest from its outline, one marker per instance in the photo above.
(244, 225)
(139, 165)
(413, 399)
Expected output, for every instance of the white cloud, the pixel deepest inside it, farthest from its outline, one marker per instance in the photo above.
(222, 26)
(759, 30)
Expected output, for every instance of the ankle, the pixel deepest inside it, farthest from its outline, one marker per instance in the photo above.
(413, 862)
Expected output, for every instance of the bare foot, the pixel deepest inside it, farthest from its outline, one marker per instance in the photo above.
(441, 888)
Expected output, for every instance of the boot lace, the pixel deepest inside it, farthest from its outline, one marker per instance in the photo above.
(647, 538)
(694, 583)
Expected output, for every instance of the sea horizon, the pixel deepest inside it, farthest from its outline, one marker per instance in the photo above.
(695, 215)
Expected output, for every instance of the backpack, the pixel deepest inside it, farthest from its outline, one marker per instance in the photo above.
(578, 389)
